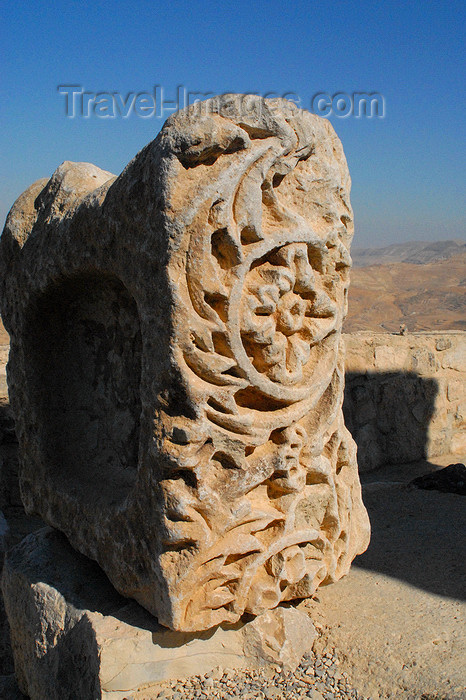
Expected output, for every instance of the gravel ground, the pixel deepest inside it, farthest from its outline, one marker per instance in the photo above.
(316, 678)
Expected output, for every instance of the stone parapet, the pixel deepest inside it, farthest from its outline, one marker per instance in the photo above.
(405, 396)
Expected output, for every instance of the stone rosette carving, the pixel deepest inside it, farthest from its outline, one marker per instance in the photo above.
(176, 365)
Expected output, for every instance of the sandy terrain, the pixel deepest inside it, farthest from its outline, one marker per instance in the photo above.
(399, 617)
(423, 297)
(430, 296)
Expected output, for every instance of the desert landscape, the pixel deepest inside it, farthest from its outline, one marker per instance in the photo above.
(419, 285)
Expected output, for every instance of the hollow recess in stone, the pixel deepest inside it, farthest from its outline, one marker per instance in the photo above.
(176, 365)
(83, 342)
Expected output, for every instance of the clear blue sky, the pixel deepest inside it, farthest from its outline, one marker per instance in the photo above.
(408, 169)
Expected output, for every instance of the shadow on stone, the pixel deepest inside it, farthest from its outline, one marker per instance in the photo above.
(73, 636)
(83, 342)
(388, 414)
(417, 536)
(451, 479)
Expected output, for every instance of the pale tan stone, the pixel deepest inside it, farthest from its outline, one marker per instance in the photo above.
(359, 359)
(423, 361)
(74, 637)
(280, 636)
(176, 369)
(393, 357)
(455, 358)
(404, 394)
(458, 443)
(456, 389)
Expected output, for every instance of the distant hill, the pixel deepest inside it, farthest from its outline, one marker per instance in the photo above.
(414, 252)
(429, 296)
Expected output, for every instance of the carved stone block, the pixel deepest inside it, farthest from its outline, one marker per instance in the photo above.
(176, 366)
(75, 638)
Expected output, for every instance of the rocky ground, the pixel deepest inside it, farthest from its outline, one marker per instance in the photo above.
(316, 678)
(399, 617)
(394, 627)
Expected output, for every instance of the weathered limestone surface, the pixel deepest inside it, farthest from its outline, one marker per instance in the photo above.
(74, 637)
(176, 369)
(405, 396)
(405, 399)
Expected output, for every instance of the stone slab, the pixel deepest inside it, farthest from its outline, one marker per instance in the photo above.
(74, 636)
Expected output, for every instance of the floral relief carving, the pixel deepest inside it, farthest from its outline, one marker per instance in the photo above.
(215, 272)
(284, 313)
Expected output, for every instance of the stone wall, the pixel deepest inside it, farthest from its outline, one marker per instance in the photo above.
(405, 396)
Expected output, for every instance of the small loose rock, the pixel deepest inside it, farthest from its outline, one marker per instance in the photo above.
(316, 678)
